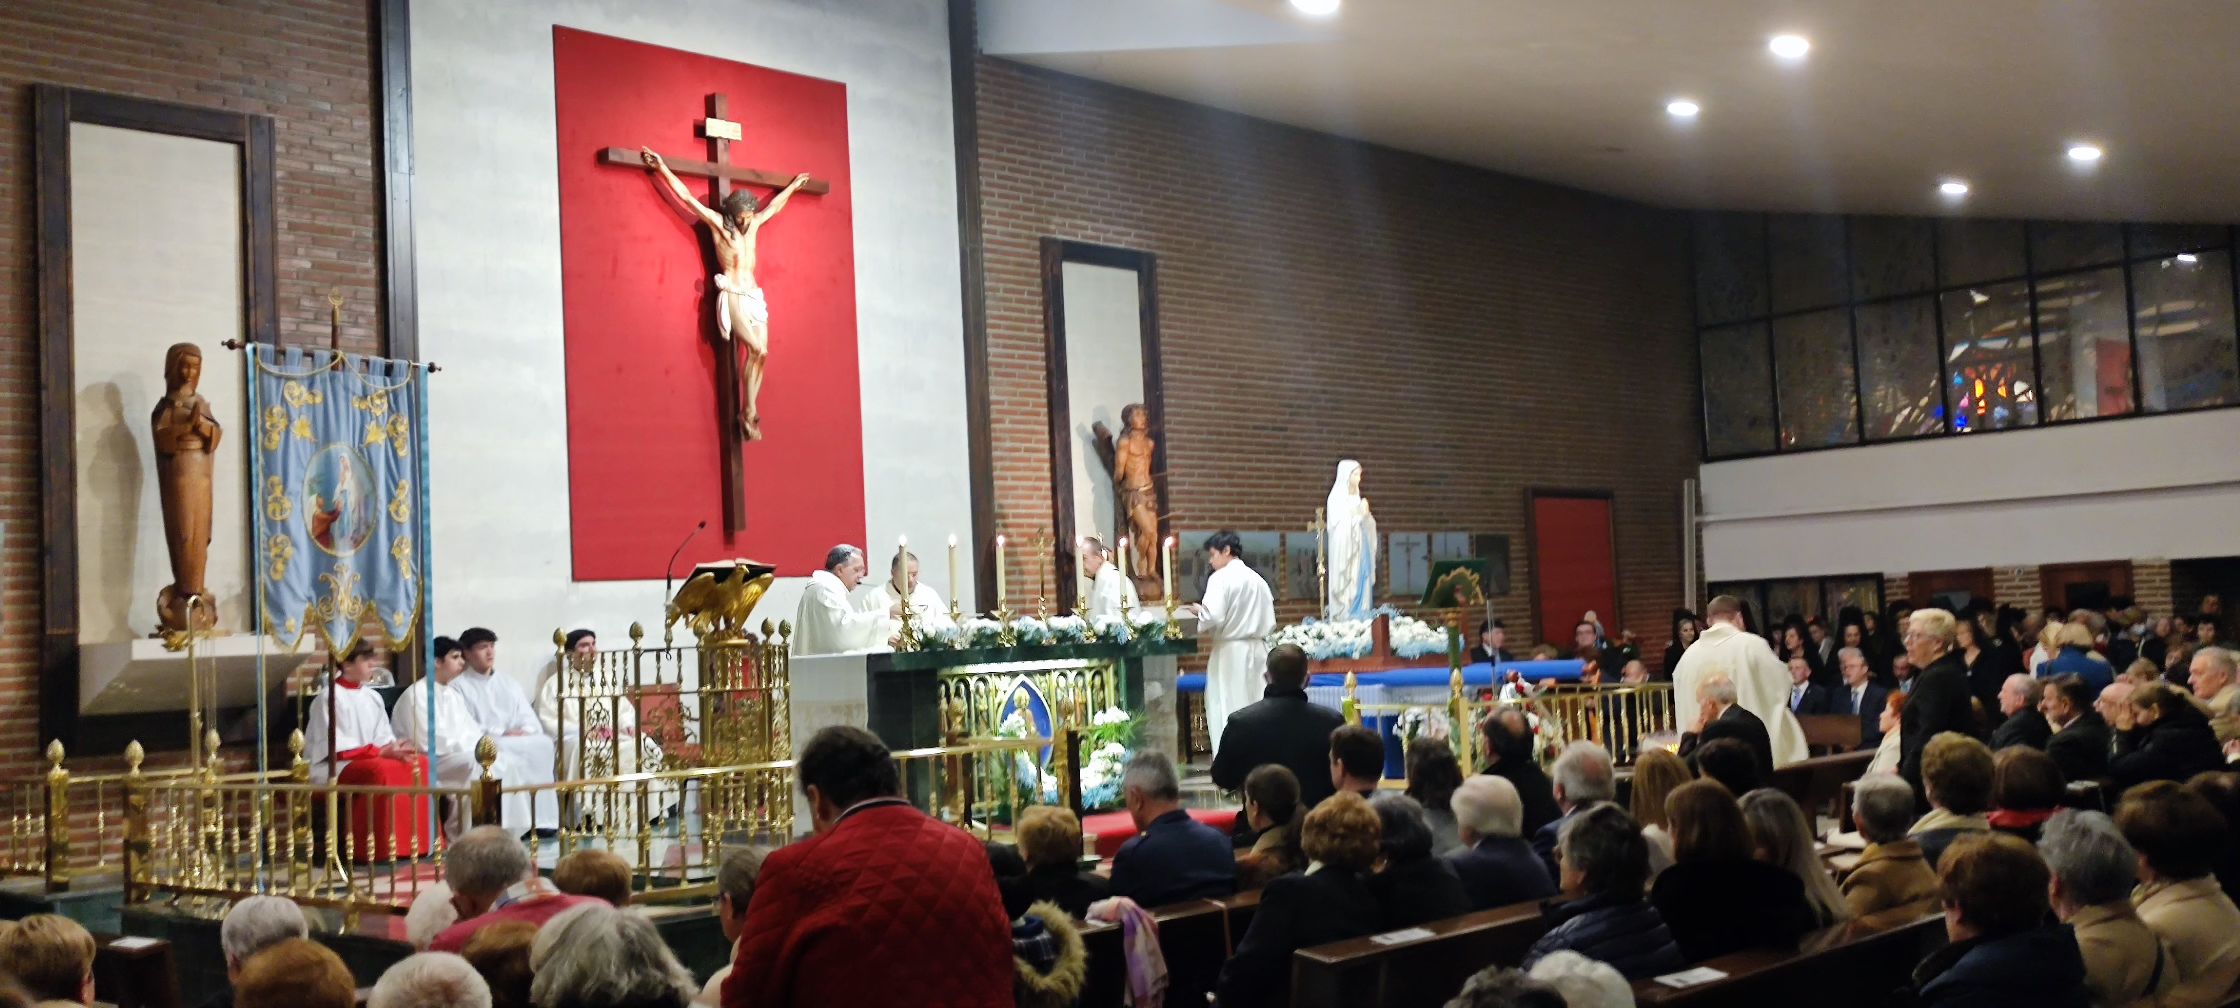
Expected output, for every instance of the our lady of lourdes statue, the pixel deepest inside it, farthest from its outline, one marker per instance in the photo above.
(1351, 541)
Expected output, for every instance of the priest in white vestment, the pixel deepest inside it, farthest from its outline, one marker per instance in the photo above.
(1109, 593)
(1238, 614)
(829, 622)
(926, 607)
(502, 709)
(1761, 681)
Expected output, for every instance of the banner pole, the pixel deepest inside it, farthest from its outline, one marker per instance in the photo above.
(427, 571)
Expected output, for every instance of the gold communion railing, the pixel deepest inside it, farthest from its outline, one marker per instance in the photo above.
(359, 848)
(724, 701)
(1619, 717)
(58, 824)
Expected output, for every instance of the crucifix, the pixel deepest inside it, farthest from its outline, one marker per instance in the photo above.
(742, 315)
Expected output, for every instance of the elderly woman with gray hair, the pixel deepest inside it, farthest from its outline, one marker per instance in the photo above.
(615, 959)
(1892, 884)
(1412, 885)
(250, 927)
(2094, 871)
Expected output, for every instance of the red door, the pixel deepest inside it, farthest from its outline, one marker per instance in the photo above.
(1574, 560)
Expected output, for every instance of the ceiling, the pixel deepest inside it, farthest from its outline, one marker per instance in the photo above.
(1895, 95)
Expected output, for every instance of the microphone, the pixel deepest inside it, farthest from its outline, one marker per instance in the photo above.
(668, 588)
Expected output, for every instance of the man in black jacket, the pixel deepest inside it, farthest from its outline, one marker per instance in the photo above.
(2080, 740)
(1940, 698)
(1861, 695)
(1721, 717)
(2023, 724)
(1509, 755)
(1283, 728)
(1805, 696)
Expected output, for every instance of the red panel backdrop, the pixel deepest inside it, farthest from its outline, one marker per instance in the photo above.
(1574, 566)
(644, 441)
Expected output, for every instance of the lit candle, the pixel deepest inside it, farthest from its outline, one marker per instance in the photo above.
(953, 589)
(1123, 558)
(999, 573)
(1166, 570)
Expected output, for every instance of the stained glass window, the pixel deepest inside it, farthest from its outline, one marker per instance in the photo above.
(1973, 251)
(1813, 372)
(2184, 305)
(1892, 255)
(1737, 390)
(1989, 359)
(1898, 368)
(2084, 345)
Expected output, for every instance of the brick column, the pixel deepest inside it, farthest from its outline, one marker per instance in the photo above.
(2017, 586)
(2150, 585)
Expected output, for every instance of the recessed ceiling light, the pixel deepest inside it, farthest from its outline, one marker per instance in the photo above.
(1682, 108)
(1789, 47)
(2084, 153)
(1315, 8)
(1953, 187)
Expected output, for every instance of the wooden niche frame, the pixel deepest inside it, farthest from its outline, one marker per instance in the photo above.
(1056, 253)
(55, 110)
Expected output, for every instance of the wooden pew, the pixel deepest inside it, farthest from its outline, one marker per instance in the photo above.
(1839, 967)
(1192, 936)
(137, 975)
(1420, 971)
(1818, 782)
(1830, 733)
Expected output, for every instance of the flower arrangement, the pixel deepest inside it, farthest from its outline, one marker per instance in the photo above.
(981, 632)
(1028, 631)
(1114, 629)
(1324, 640)
(1065, 630)
(1424, 723)
(942, 636)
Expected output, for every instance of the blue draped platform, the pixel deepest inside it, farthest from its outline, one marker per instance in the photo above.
(1480, 674)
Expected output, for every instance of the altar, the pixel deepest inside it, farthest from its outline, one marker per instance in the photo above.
(916, 699)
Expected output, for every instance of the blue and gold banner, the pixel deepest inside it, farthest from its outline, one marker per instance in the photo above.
(337, 495)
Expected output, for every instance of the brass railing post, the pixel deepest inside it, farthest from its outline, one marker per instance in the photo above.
(1351, 705)
(58, 820)
(1069, 770)
(488, 800)
(1458, 710)
(136, 873)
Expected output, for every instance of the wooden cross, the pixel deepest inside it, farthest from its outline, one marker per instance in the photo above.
(720, 133)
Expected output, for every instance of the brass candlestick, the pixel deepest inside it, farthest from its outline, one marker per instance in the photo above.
(1321, 568)
(1006, 634)
(908, 639)
(1174, 628)
(1046, 559)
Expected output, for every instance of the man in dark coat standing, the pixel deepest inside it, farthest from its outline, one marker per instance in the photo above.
(1721, 717)
(1940, 698)
(1283, 728)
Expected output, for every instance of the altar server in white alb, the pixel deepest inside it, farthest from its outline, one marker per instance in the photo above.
(501, 707)
(456, 734)
(570, 702)
(926, 607)
(829, 621)
(366, 751)
(1109, 593)
(1238, 614)
(1761, 681)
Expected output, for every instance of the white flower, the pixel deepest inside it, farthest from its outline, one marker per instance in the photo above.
(1109, 715)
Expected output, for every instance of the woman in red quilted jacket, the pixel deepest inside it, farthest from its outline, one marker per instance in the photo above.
(883, 906)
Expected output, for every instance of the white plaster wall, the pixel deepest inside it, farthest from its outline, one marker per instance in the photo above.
(2164, 486)
(1104, 372)
(135, 290)
(488, 215)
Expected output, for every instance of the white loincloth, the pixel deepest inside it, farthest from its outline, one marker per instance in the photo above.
(758, 309)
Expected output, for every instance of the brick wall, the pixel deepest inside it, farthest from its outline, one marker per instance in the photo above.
(1466, 335)
(307, 64)
(2017, 586)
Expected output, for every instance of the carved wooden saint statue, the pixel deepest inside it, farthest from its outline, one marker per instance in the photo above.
(742, 316)
(1128, 457)
(186, 439)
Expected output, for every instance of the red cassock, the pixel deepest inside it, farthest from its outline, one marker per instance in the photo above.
(387, 827)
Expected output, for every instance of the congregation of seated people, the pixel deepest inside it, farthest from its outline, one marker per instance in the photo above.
(2073, 833)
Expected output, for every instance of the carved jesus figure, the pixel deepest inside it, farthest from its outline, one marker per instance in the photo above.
(740, 308)
(1129, 458)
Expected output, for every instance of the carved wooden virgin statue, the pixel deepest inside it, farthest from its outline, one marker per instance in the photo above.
(186, 440)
